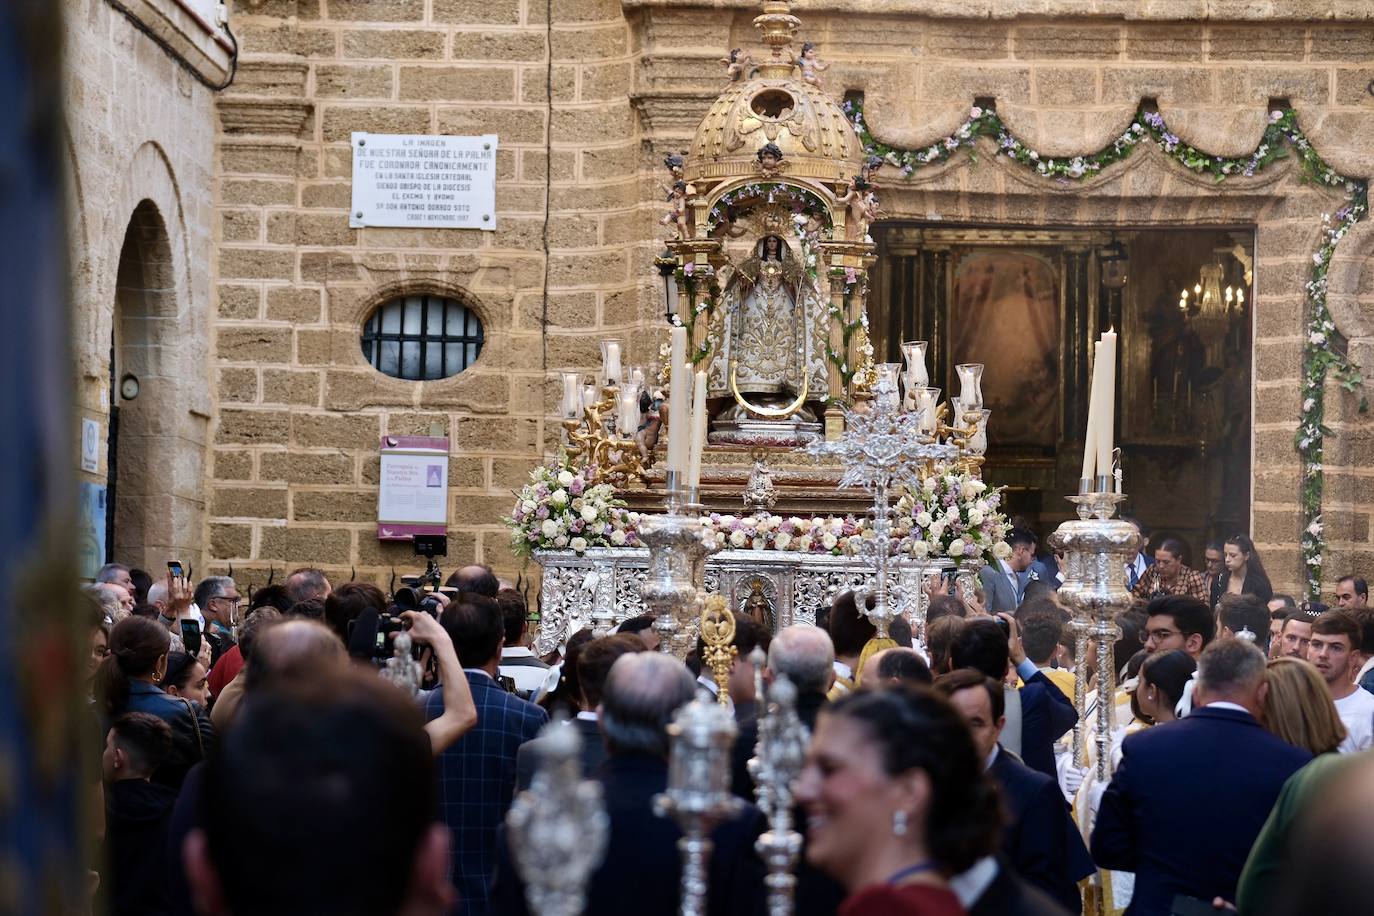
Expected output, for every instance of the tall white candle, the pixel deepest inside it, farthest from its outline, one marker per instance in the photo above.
(1106, 430)
(698, 430)
(613, 362)
(678, 421)
(1090, 438)
(589, 396)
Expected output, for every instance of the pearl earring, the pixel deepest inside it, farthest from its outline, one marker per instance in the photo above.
(899, 823)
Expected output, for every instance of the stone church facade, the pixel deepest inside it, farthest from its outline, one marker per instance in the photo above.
(211, 233)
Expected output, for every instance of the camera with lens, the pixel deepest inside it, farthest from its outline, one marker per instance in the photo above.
(417, 592)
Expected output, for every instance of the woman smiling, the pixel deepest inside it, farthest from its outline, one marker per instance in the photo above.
(897, 802)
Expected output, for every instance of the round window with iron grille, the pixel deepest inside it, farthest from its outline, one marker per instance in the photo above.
(422, 337)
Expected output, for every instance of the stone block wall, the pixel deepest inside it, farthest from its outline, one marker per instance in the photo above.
(140, 166)
(295, 451)
(586, 107)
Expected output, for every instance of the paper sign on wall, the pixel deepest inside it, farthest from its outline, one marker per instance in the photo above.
(413, 497)
(90, 445)
(424, 182)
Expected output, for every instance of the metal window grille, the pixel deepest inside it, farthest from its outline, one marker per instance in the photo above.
(422, 337)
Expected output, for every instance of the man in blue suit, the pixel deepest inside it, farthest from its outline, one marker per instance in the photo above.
(477, 774)
(1004, 581)
(1044, 712)
(1040, 839)
(1189, 797)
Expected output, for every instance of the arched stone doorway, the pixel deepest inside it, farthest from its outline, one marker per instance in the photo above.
(142, 444)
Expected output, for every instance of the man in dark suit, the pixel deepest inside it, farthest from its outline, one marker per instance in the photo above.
(593, 666)
(518, 662)
(1039, 840)
(641, 872)
(1189, 797)
(1045, 713)
(477, 774)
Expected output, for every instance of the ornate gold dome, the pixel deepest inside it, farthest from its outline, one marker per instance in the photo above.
(816, 139)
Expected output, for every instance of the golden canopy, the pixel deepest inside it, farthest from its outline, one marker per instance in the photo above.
(776, 101)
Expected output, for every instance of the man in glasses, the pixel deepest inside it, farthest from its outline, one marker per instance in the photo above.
(218, 599)
(1178, 622)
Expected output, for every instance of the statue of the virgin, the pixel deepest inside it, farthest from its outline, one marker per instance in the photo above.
(770, 357)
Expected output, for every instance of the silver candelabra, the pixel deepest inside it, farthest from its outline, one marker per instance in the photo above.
(558, 827)
(698, 795)
(777, 761)
(881, 448)
(674, 582)
(1097, 548)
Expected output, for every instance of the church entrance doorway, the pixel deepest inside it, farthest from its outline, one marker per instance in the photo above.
(1027, 301)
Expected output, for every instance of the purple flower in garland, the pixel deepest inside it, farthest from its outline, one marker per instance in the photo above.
(576, 487)
(541, 513)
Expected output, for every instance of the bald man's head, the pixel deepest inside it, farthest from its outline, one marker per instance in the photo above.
(641, 694)
(805, 655)
(298, 646)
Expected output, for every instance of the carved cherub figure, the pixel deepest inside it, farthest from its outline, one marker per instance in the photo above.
(811, 65)
(677, 209)
(862, 204)
(738, 64)
(770, 159)
(870, 168)
(647, 436)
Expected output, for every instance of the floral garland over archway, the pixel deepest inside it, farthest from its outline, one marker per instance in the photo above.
(1320, 360)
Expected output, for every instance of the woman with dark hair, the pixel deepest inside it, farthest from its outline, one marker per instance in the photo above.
(1244, 573)
(568, 692)
(897, 802)
(1163, 677)
(185, 677)
(127, 681)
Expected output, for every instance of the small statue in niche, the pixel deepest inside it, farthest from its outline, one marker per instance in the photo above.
(677, 215)
(757, 607)
(738, 64)
(770, 160)
(646, 438)
(811, 64)
(862, 204)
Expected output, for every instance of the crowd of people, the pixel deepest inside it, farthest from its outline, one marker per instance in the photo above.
(253, 761)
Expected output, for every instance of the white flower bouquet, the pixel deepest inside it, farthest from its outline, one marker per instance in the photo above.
(952, 515)
(561, 508)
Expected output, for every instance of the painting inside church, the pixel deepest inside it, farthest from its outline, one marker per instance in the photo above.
(1027, 301)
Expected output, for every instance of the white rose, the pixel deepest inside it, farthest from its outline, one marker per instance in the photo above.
(578, 544)
(937, 531)
(737, 538)
(618, 537)
(561, 541)
(968, 490)
(956, 547)
(727, 520)
(952, 514)
(975, 517)
(920, 550)
(589, 514)
(929, 485)
(559, 497)
(979, 486)
(565, 478)
(981, 505)
(923, 519)
(549, 528)
(759, 543)
(782, 541)
(1001, 550)
(828, 541)
(529, 505)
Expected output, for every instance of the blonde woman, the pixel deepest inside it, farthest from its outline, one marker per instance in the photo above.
(1298, 709)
